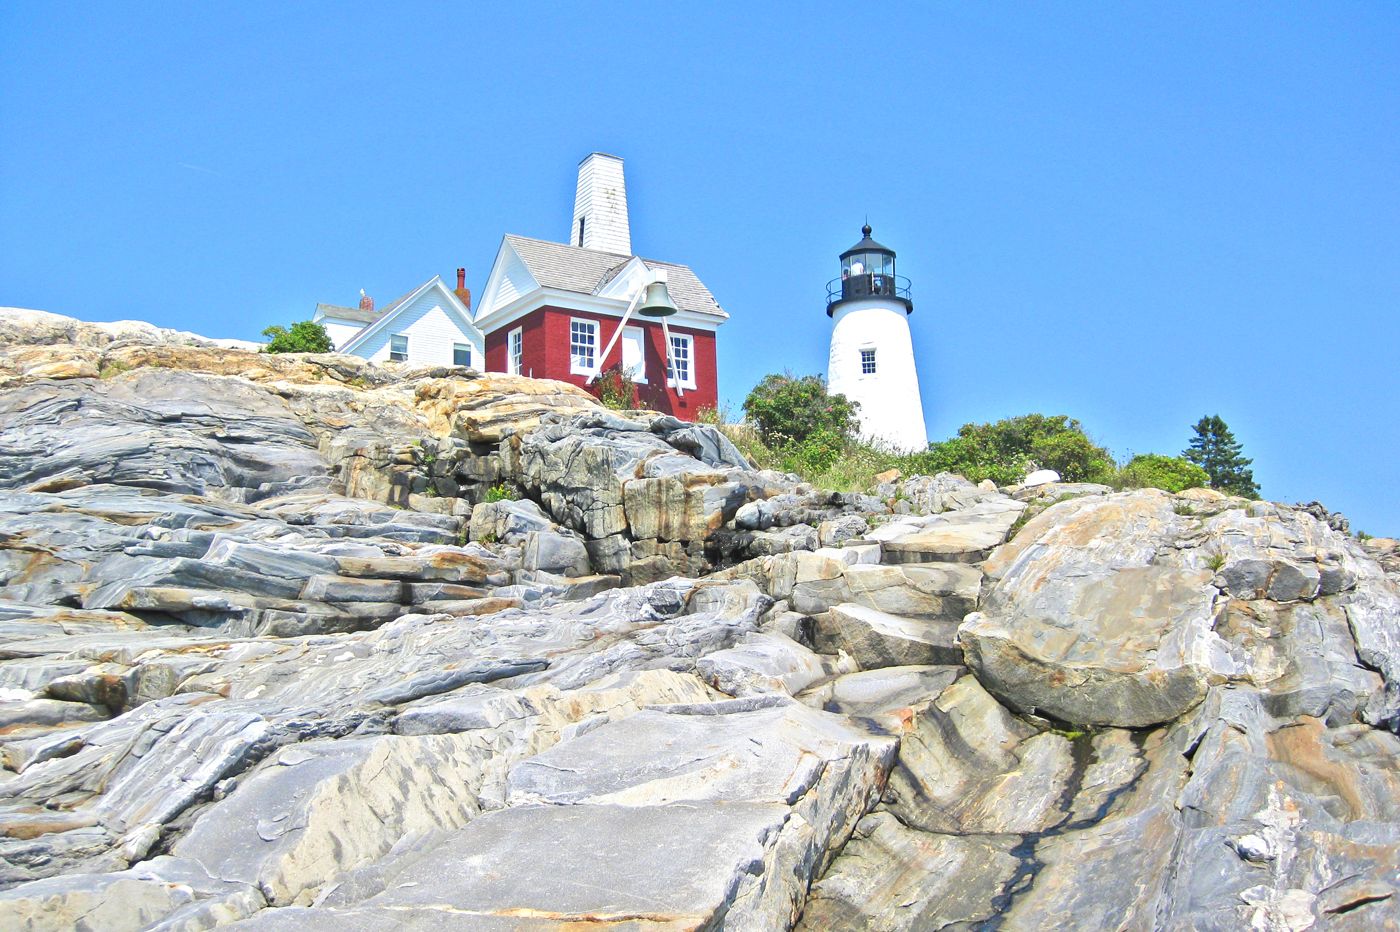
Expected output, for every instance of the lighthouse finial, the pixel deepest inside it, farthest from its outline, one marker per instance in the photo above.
(866, 229)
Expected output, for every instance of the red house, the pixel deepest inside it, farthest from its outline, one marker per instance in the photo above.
(551, 310)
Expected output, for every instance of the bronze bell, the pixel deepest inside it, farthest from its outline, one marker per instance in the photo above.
(656, 302)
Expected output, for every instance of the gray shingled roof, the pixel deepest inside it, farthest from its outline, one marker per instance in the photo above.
(347, 313)
(573, 268)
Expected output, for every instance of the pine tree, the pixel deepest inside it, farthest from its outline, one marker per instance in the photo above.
(1215, 449)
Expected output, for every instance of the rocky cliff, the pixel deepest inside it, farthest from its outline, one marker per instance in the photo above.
(301, 642)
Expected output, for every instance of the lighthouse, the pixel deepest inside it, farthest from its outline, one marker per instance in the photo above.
(872, 354)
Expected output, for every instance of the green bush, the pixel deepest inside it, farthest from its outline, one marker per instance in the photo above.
(304, 336)
(1168, 473)
(614, 388)
(1006, 450)
(786, 409)
(500, 493)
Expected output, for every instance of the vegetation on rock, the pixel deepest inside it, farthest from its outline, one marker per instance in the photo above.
(1155, 471)
(304, 336)
(787, 409)
(1005, 451)
(614, 389)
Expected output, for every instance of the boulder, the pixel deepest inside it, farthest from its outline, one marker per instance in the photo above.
(1082, 624)
(876, 639)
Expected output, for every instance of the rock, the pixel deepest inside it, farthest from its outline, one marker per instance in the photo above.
(1076, 601)
(1040, 477)
(894, 878)
(754, 516)
(767, 662)
(885, 691)
(941, 592)
(838, 531)
(877, 639)
(966, 536)
(555, 553)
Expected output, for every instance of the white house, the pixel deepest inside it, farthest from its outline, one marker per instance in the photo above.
(430, 326)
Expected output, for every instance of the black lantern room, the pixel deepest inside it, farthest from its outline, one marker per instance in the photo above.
(867, 271)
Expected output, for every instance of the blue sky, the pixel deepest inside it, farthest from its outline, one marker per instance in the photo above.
(1132, 214)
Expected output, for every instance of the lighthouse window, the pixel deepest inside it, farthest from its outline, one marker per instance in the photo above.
(679, 370)
(583, 344)
(867, 362)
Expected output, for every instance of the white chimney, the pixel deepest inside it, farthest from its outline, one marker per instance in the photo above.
(600, 206)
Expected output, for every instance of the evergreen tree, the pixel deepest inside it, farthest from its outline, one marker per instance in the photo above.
(1215, 449)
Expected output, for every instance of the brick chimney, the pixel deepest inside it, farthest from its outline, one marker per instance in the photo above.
(366, 302)
(463, 292)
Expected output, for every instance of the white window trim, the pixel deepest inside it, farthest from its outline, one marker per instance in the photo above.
(689, 361)
(860, 361)
(641, 377)
(574, 367)
(515, 361)
(392, 337)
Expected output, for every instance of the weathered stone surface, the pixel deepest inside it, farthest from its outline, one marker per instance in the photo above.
(768, 663)
(944, 592)
(893, 878)
(879, 639)
(295, 696)
(1082, 624)
(965, 536)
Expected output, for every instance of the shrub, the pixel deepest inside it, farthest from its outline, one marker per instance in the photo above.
(304, 336)
(614, 388)
(1168, 473)
(500, 493)
(1006, 450)
(786, 409)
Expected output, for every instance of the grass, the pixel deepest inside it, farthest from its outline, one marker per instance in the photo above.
(112, 369)
(499, 493)
(853, 471)
(1215, 562)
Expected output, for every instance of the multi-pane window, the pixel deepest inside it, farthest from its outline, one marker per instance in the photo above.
(867, 362)
(398, 347)
(461, 354)
(679, 368)
(516, 347)
(583, 346)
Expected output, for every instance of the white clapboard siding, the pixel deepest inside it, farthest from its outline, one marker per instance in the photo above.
(340, 331)
(431, 331)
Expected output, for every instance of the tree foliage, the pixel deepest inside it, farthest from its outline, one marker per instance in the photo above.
(1168, 473)
(1007, 450)
(787, 409)
(304, 336)
(1215, 449)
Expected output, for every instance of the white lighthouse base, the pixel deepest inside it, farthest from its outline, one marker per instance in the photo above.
(891, 411)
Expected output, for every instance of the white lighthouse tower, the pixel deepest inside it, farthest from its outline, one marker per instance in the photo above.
(872, 355)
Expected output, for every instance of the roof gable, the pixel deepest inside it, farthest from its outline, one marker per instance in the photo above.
(524, 264)
(448, 301)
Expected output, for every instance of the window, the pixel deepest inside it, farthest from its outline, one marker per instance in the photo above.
(580, 229)
(583, 346)
(867, 362)
(398, 347)
(515, 350)
(680, 368)
(461, 354)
